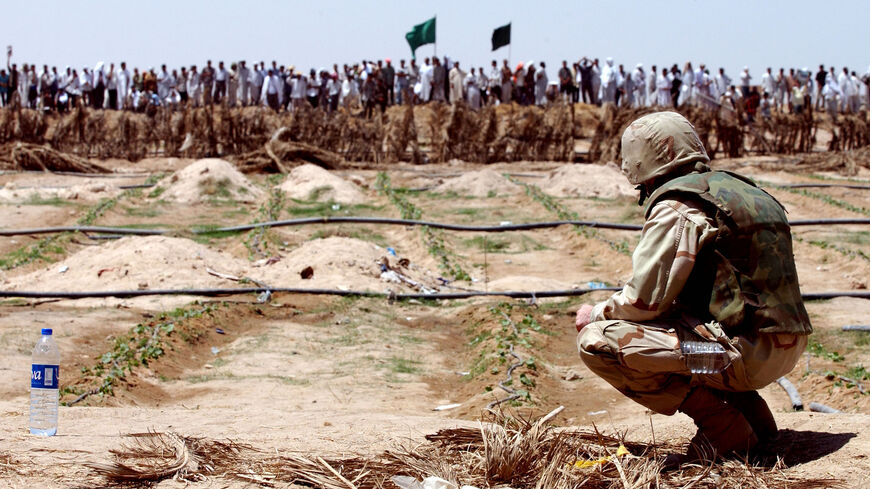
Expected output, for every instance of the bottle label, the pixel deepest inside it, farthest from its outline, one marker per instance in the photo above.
(44, 376)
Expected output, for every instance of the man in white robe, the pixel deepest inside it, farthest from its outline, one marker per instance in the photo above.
(767, 82)
(609, 82)
(638, 81)
(699, 79)
(425, 81)
(457, 80)
(652, 80)
(663, 89)
(244, 77)
(745, 80)
(723, 82)
(687, 87)
(541, 82)
(832, 94)
(596, 80)
(124, 82)
(847, 89)
(472, 89)
(194, 88)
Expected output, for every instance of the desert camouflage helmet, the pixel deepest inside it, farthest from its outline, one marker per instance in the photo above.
(657, 144)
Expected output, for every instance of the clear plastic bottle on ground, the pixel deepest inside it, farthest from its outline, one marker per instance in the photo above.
(44, 373)
(704, 357)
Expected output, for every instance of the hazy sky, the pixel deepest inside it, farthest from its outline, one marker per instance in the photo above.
(308, 34)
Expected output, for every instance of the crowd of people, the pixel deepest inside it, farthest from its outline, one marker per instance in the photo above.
(795, 91)
(377, 84)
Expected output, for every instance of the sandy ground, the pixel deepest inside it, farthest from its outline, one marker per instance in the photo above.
(333, 376)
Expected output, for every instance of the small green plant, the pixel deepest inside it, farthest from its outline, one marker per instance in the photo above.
(818, 350)
(827, 199)
(259, 237)
(552, 205)
(36, 199)
(825, 245)
(858, 373)
(488, 244)
(156, 192)
(143, 344)
(404, 365)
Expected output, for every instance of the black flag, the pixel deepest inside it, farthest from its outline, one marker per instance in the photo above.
(501, 36)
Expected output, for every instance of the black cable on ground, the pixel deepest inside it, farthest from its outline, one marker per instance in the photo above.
(864, 294)
(378, 220)
(141, 185)
(434, 225)
(84, 229)
(219, 292)
(826, 185)
(817, 222)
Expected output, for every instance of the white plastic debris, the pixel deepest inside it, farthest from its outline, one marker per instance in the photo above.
(62, 269)
(445, 407)
(437, 483)
(405, 482)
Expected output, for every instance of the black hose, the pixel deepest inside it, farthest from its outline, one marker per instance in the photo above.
(817, 222)
(378, 220)
(141, 185)
(865, 294)
(826, 185)
(84, 229)
(217, 292)
(434, 225)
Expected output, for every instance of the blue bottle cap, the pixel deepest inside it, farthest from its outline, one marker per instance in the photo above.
(46, 331)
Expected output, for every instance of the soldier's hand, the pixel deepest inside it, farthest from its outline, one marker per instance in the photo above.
(583, 317)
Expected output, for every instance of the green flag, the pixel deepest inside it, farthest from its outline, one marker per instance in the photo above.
(421, 34)
(501, 36)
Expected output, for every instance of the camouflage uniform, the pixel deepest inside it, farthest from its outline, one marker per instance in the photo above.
(714, 263)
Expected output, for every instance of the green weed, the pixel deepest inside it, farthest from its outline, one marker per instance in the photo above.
(818, 350)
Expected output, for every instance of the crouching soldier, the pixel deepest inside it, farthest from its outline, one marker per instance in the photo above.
(714, 266)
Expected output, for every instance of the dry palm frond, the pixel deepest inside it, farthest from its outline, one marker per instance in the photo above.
(279, 154)
(505, 451)
(26, 156)
(156, 456)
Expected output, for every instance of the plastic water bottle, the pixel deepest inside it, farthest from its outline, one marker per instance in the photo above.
(704, 357)
(44, 373)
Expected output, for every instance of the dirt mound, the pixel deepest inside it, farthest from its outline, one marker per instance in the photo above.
(340, 263)
(480, 184)
(307, 181)
(132, 263)
(89, 191)
(209, 179)
(583, 180)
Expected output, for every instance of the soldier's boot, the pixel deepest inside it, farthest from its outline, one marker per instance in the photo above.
(756, 412)
(722, 430)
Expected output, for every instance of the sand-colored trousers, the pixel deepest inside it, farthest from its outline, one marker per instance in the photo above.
(645, 361)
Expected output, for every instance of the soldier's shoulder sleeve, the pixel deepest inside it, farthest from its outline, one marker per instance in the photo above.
(672, 236)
